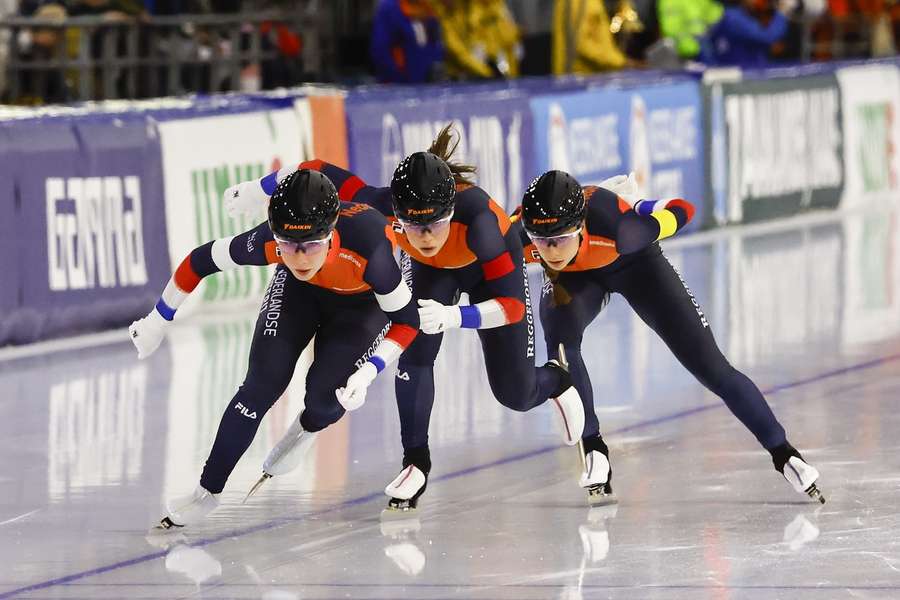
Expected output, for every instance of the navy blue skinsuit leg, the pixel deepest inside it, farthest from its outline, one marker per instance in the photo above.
(414, 384)
(509, 355)
(661, 299)
(292, 312)
(564, 323)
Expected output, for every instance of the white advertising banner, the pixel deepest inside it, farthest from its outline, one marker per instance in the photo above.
(204, 156)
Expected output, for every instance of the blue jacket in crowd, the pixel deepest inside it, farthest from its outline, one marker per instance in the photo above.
(405, 48)
(740, 40)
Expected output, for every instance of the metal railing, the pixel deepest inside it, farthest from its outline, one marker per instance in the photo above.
(94, 58)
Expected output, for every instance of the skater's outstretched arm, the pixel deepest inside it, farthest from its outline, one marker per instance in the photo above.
(253, 247)
(650, 221)
(253, 196)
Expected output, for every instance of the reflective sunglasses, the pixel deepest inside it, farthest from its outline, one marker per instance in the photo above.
(433, 228)
(311, 247)
(543, 243)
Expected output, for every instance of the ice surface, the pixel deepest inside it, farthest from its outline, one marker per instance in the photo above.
(93, 441)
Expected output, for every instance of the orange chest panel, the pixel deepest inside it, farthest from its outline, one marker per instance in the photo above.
(595, 252)
(454, 255)
(343, 270)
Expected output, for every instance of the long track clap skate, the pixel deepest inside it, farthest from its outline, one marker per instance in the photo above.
(596, 478)
(189, 509)
(404, 492)
(286, 455)
(802, 476)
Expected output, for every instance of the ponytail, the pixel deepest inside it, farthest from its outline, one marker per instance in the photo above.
(443, 147)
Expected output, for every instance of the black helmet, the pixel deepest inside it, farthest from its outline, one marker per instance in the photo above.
(304, 206)
(553, 203)
(422, 188)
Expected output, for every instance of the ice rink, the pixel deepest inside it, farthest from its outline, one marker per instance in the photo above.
(94, 440)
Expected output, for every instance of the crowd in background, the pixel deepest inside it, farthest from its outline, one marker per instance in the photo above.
(418, 41)
(415, 41)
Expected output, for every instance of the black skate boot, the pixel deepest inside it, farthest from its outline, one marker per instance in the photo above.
(406, 489)
(800, 474)
(597, 475)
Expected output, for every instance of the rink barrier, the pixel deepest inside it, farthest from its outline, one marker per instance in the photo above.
(101, 201)
(783, 141)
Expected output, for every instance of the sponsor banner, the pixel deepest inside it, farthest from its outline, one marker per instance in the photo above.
(495, 131)
(598, 133)
(90, 229)
(775, 147)
(202, 157)
(870, 101)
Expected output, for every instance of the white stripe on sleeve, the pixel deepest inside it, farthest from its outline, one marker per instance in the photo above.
(395, 300)
(221, 254)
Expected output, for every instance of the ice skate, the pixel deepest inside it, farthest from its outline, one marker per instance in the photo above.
(800, 474)
(287, 454)
(596, 476)
(189, 509)
(404, 492)
(569, 409)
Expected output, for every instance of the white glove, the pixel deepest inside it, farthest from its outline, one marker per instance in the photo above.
(353, 394)
(624, 186)
(245, 198)
(148, 333)
(434, 317)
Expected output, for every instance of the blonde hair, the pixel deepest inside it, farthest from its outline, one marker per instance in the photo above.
(444, 146)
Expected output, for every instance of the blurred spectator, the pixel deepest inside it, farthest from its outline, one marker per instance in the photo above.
(582, 40)
(745, 34)
(7, 8)
(111, 10)
(406, 44)
(686, 22)
(42, 44)
(482, 39)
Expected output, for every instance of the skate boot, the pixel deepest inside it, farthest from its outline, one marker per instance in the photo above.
(569, 409)
(406, 489)
(800, 474)
(287, 454)
(190, 509)
(597, 475)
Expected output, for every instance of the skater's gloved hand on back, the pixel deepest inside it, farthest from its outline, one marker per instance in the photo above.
(353, 395)
(245, 198)
(148, 333)
(624, 186)
(434, 317)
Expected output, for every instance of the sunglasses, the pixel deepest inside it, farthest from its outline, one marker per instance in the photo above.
(556, 240)
(433, 228)
(311, 247)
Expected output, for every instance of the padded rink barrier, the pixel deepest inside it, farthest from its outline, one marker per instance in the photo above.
(99, 203)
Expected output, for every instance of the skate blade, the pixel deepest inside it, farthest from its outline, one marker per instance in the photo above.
(395, 513)
(166, 524)
(814, 493)
(602, 499)
(256, 486)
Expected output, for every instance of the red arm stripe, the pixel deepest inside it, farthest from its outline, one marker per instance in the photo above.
(314, 165)
(498, 267)
(349, 188)
(402, 335)
(513, 308)
(185, 277)
(686, 206)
